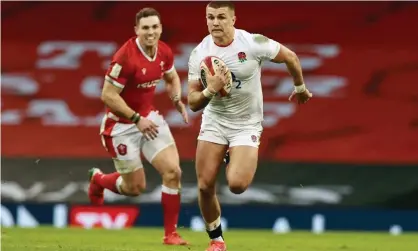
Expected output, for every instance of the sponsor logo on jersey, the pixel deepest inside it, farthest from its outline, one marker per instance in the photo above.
(148, 84)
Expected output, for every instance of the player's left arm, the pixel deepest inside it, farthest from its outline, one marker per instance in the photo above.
(287, 56)
(173, 87)
(269, 49)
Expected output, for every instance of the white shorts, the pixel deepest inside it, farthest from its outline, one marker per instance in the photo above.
(213, 131)
(125, 148)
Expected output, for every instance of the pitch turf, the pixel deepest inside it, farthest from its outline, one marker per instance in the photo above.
(145, 239)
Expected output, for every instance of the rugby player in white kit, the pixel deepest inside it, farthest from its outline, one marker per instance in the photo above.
(232, 122)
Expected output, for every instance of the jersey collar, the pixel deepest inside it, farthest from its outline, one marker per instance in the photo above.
(235, 34)
(144, 53)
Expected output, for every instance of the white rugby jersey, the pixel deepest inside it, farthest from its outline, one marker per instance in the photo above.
(244, 57)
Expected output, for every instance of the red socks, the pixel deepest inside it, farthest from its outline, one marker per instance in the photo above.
(170, 200)
(108, 181)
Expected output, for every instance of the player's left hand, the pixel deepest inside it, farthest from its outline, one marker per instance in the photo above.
(301, 97)
(182, 109)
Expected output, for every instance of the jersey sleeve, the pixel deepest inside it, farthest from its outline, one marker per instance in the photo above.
(264, 48)
(194, 73)
(169, 64)
(118, 72)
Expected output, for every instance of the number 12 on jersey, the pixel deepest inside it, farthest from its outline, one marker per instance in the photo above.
(235, 80)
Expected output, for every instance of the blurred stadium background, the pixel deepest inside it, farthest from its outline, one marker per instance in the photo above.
(346, 161)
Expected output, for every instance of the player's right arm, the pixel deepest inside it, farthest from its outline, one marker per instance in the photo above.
(199, 97)
(112, 99)
(196, 99)
(115, 80)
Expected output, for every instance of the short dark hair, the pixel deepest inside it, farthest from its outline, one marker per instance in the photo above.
(220, 4)
(146, 12)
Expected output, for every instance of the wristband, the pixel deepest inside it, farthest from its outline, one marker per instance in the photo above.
(175, 98)
(135, 118)
(300, 88)
(208, 94)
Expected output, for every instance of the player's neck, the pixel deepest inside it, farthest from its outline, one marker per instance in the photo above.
(225, 40)
(149, 50)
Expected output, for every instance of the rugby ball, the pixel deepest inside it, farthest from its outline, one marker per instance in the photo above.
(210, 65)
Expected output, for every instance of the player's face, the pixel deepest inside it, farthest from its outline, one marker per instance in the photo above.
(219, 21)
(149, 30)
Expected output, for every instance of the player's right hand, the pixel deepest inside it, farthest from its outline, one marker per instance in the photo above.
(148, 128)
(217, 81)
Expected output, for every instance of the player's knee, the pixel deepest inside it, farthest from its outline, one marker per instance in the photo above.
(172, 174)
(142, 187)
(136, 189)
(237, 186)
(206, 188)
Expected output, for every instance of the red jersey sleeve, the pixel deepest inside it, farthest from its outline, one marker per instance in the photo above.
(169, 64)
(119, 69)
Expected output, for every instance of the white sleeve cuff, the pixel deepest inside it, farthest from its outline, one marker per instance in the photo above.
(170, 70)
(276, 51)
(114, 82)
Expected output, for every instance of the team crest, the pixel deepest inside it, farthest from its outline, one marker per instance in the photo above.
(144, 70)
(242, 57)
(122, 149)
(254, 138)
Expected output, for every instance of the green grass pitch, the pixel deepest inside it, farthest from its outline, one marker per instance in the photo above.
(150, 239)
